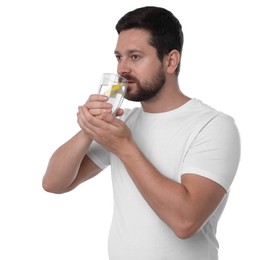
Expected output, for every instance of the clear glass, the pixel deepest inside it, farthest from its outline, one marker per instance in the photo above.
(114, 87)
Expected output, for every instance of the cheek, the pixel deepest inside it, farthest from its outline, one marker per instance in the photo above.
(150, 67)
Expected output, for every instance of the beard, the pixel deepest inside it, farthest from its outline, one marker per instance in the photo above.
(146, 90)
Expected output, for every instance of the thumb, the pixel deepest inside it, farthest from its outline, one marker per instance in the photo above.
(107, 117)
(120, 112)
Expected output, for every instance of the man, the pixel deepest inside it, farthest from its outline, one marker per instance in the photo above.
(172, 160)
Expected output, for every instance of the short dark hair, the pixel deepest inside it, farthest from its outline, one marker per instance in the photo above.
(165, 28)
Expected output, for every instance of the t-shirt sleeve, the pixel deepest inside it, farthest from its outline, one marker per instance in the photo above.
(215, 152)
(98, 155)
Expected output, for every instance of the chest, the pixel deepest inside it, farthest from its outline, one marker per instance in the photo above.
(163, 142)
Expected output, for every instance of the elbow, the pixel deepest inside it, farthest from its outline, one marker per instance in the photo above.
(186, 229)
(48, 187)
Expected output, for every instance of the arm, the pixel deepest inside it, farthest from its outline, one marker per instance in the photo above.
(69, 166)
(183, 206)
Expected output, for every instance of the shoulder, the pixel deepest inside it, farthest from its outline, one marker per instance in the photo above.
(217, 119)
(130, 113)
(214, 127)
(220, 135)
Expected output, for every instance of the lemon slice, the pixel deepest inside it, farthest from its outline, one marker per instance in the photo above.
(113, 90)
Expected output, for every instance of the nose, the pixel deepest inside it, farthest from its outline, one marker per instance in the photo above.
(123, 67)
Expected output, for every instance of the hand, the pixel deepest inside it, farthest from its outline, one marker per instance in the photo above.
(116, 136)
(97, 104)
(104, 128)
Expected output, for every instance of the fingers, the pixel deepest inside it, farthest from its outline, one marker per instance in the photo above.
(96, 104)
(85, 118)
(88, 122)
(107, 117)
(110, 119)
(99, 111)
(120, 112)
(95, 115)
(105, 129)
(98, 97)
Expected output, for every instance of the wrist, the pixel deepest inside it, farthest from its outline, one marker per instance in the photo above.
(128, 151)
(83, 136)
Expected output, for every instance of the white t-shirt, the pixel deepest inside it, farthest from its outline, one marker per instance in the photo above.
(193, 138)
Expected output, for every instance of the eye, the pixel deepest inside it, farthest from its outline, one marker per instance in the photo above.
(118, 57)
(135, 57)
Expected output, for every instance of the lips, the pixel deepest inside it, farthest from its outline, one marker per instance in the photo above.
(129, 78)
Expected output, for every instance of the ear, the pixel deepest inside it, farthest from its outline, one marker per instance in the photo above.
(172, 61)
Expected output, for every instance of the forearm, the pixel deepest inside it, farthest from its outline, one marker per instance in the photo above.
(170, 200)
(64, 164)
(184, 206)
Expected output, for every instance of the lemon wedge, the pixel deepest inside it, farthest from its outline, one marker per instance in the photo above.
(113, 90)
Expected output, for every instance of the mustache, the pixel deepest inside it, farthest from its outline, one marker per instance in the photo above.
(129, 77)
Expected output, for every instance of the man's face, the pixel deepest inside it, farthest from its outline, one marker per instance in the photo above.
(139, 64)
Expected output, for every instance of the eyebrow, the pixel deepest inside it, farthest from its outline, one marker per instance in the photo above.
(129, 51)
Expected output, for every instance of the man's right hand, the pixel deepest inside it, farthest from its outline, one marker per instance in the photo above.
(97, 104)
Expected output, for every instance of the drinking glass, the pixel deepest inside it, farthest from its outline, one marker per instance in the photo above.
(114, 87)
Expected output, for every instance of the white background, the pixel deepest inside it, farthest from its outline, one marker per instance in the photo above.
(52, 54)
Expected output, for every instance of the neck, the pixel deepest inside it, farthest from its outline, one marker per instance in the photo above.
(169, 98)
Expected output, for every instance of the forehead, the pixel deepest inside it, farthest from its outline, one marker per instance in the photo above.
(134, 39)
